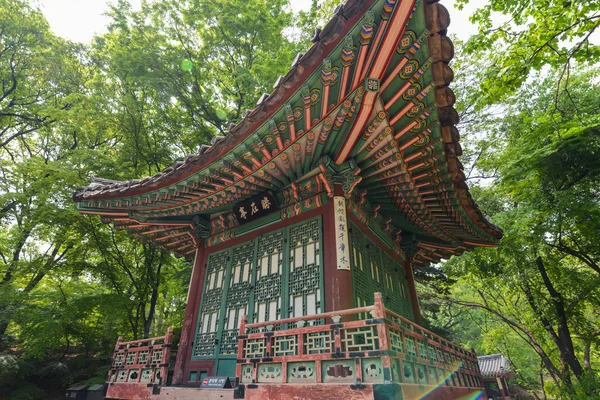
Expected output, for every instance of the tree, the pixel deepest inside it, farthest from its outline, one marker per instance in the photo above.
(520, 37)
(542, 282)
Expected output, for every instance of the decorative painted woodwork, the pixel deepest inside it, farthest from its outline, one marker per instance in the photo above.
(375, 271)
(365, 117)
(250, 279)
(141, 361)
(378, 97)
(355, 352)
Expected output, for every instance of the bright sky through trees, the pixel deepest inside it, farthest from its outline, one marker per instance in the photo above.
(79, 20)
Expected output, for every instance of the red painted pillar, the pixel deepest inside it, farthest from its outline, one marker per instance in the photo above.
(337, 282)
(414, 301)
(187, 330)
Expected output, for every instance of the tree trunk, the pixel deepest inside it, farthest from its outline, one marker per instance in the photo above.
(542, 381)
(8, 277)
(586, 357)
(528, 337)
(566, 348)
(153, 300)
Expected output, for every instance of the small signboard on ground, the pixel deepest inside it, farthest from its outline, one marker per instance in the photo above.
(216, 382)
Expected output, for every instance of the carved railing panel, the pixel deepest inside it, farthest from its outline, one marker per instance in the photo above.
(382, 348)
(141, 361)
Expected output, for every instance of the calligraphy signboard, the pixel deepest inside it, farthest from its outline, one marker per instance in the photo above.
(255, 208)
(341, 233)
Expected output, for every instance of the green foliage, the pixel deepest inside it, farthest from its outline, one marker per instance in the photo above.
(518, 37)
(168, 77)
(540, 287)
(28, 392)
(122, 107)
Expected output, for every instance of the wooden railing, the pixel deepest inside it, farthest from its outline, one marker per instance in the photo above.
(372, 345)
(142, 361)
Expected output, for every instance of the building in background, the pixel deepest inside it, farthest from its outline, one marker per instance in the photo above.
(496, 370)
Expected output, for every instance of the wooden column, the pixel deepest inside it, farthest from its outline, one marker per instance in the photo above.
(187, 330)
(337, 283)
(414, 300)
(503, 386)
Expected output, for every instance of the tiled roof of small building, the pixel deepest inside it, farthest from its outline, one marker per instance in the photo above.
(495, 365)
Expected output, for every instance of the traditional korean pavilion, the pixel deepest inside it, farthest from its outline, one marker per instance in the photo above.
(306, 222)
(496, 370)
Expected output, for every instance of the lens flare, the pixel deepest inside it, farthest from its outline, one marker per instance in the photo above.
(473, 396)
(187, 65)
(478, 395)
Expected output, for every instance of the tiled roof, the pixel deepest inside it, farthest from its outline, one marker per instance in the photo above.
(368, 108)
(303, 66)
(495, 365)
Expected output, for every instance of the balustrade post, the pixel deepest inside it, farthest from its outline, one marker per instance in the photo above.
(240, 351)
(137, 364)
(164, 366)
(114, 357)
(384, 339)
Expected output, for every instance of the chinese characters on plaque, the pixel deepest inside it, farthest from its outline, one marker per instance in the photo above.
(341, 233)
(255, 208)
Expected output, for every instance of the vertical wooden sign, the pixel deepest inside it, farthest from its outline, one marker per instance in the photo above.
(341, 233)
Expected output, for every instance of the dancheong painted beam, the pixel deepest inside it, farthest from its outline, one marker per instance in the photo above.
(351, 166)
(368, 104)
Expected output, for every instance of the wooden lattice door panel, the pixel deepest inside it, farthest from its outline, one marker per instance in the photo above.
(239, 289)
(363, 296)
(269, 268)
(395, 293)
(375, 268)
(206, 336)
(375, 271)
(274, 276)
(305, 273)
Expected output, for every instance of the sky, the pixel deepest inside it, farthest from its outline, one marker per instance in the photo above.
(79, 20)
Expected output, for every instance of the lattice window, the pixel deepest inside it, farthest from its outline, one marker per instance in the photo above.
(392, 294)
(373, 270)
(206, 337)
(422, 350)
(157, 356)
(410, 346)
(318, 342)
(143, 357)
(238, 294)
(130, 360)
(304, 280)
(118, 361)
(285, 346)
(375, 267)
(251, 279)
(440, 355)
(359, 339)
(432, 355)
(395, 340)
(255, 348)
(267, 292)
(363, 295)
